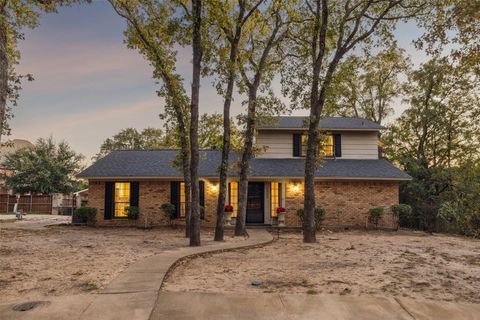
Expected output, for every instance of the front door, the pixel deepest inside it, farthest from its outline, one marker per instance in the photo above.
(255, 202)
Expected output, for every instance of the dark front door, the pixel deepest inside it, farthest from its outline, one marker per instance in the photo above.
(255, 203)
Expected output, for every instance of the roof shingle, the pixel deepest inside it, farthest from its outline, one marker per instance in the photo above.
(160, 164)
(327, 123)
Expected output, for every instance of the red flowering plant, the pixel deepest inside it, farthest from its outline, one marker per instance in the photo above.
(228, 208)
(280, 209)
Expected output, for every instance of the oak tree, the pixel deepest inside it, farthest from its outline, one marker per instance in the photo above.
(328, 31)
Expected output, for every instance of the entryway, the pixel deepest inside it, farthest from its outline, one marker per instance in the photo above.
(255, 202)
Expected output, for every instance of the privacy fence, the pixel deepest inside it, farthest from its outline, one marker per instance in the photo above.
(26, 203)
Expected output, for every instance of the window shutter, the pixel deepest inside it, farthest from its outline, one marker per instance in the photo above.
(175, 197)
(201, 187)
(229, 194)
(297, 144)
(337, 145)
(109, 191)
(280, 188)
(134, 193)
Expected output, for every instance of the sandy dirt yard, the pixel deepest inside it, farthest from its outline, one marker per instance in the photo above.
(66, 260)
(404, 263)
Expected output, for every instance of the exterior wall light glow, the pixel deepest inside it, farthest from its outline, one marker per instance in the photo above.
(214, 187)
(295, 187)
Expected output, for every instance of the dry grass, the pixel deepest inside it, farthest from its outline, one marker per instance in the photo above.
(409, 264)
(65, 260)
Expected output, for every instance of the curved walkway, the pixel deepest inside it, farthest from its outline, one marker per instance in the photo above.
(131, 295)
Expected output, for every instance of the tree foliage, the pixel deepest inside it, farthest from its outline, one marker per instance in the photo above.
(209, 137)
(228, 24)
(366, 86)
(452, 27)
(46, 168)
(261, 54)
(326, 32)
(436, 140)
(441, 126)
(154, 28)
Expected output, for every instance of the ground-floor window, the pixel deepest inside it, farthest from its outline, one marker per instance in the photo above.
(121, 199)
(233, 196)
(182, 199)
(276, 197)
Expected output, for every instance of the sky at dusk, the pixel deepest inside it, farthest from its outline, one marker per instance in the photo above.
(88, 85)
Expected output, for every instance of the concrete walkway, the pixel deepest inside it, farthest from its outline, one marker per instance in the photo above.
(263, 306)
(132, 295)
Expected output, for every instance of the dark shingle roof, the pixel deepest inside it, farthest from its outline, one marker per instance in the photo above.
(159, 164)
(328, 123)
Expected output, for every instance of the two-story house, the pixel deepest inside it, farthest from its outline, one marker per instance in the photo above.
(350, 179)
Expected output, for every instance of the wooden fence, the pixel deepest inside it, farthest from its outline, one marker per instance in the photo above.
(27, 203)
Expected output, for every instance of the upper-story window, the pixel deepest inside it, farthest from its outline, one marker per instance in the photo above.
(330, 145)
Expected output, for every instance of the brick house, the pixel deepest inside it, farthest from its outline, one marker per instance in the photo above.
(350, 180)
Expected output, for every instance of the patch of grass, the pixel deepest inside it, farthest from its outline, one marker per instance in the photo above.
(345, 291)
(408, 253)
(312, 291)
(89, 286)
(445, 256)
(472, 260)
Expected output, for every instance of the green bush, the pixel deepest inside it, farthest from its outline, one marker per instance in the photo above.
(474, 224)
(319, 215)
(404, 213)
(85, 215)
(401, 210)
(169, 211)
(374, 215)
(133, 213)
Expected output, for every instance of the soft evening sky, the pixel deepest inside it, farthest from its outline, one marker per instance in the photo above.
(88, 85)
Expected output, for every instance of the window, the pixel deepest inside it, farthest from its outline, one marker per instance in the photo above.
(276, 197)
(182, 200)
(121, 199)
(233, 197)
(327, 145)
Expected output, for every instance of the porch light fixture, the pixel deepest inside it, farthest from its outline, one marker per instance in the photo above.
(295, 187)
(214, 187)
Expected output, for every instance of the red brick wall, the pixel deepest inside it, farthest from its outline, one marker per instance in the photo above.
(346, 202)
(152, 195)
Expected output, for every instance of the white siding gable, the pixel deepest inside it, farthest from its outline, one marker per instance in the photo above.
(278, 144)
(355, 144)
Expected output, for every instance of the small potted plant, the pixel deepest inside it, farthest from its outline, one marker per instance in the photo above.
(281, 216)
(228, 213)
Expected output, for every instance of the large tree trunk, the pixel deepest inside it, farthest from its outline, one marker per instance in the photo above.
(317, 101)
(197, 59)
(187, 181)
(224, 164)
(3, 69)
(240, 225)
(219, 228)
